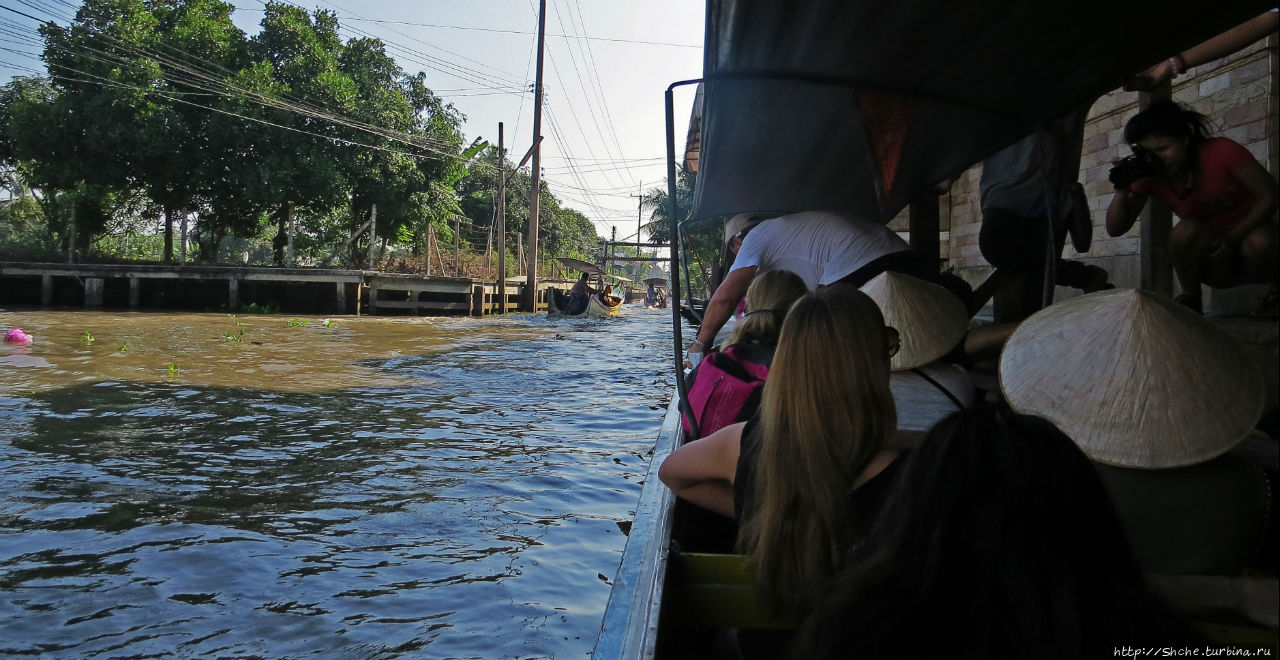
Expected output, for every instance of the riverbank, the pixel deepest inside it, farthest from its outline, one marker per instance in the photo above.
(288, 290)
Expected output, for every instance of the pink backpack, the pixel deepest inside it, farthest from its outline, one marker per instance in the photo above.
(726, 389)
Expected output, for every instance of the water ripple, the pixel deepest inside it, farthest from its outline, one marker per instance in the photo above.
(463, 502)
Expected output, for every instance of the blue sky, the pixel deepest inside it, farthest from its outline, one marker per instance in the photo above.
(607, 65)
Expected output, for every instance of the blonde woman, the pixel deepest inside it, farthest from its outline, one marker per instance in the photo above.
(769, 297)
(810, 471)
(725, 387)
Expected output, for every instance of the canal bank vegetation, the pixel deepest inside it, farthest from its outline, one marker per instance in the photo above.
(162, 132)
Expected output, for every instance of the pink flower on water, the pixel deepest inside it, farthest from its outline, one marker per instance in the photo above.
(17, 336)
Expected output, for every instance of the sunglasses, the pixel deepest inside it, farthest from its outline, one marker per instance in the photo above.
(894, 340)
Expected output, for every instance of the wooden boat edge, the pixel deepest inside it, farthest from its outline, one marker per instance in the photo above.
(630, 625)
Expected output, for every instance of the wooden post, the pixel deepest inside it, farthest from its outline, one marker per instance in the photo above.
(182, 242)
(477, 300)
(439, 258)
(488, 242)
(233, 293)
(373, 232)
(46, 290)
(71, 235)
(520, 252)
(93, 292)
(168, 236)
(457, 260)
(135, 292)
(1155, 223)
(922, 219)
(288, 228)
(501, 289)
(373, 299)
(340, 298)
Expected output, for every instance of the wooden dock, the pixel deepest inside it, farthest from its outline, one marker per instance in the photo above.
(289, 290)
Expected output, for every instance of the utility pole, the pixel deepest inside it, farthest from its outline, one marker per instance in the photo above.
(608, 263)
(502, 223)
(457, 259)
(639, 211)
(528, 302)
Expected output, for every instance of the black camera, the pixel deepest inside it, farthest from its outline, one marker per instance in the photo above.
(1140, 165)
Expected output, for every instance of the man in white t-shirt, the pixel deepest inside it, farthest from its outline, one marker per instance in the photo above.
(822, 248)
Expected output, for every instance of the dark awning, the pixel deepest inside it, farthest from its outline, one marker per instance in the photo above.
(857, 106)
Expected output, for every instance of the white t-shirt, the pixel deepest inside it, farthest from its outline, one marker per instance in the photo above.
(818, 246)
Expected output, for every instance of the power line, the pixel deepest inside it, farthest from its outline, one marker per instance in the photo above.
(520, 32)
(586, 96)
(594, 75)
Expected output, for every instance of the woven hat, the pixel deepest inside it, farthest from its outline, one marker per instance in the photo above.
(739, 222)
(930, 320)
(731, 228)
(1135, 379)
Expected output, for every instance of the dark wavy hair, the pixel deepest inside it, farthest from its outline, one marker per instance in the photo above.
(999, 541)
(1167, 118)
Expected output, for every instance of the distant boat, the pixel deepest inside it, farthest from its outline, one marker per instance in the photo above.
(596, 308)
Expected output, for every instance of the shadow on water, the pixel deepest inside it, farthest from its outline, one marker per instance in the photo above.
(467, 502)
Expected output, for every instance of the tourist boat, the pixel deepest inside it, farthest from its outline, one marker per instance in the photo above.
(855, 107)
(596, 308)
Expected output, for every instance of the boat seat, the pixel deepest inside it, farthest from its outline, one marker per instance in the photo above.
(716, 591)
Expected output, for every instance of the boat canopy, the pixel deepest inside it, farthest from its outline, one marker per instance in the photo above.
(578, 264)
(856, 107)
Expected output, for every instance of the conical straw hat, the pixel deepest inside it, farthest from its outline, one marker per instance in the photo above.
(1134, 378)
(930, 320)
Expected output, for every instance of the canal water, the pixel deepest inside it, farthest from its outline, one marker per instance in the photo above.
(269, 486)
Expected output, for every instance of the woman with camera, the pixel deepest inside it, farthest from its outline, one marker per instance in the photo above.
(1225, 199)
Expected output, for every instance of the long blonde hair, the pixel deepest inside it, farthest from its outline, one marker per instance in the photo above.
(826, 412)
(768, 298)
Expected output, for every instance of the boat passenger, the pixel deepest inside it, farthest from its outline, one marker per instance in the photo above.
(745, 359)
(822, 248)
(931, 324)
(1160, 406)
(1029, 192)
(997, 541)
(1225, 200)
(607, 297)
(807, 473)
(579, 295)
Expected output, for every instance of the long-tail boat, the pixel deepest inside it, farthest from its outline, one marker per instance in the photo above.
(859, 107)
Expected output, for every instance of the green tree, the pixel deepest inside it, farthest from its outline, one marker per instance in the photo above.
(703, 241)
(301, 166)
(197, 47)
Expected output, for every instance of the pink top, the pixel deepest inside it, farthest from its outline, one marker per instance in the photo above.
(1217, 197)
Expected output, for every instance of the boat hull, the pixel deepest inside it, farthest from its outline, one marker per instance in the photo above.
(596, 308)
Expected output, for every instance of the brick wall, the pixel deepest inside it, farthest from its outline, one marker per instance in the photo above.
(1239, 95)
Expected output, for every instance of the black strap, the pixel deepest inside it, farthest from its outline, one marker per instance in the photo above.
(954, 398)
(728, 364)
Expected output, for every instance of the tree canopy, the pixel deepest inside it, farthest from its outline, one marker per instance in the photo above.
(164, 109)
